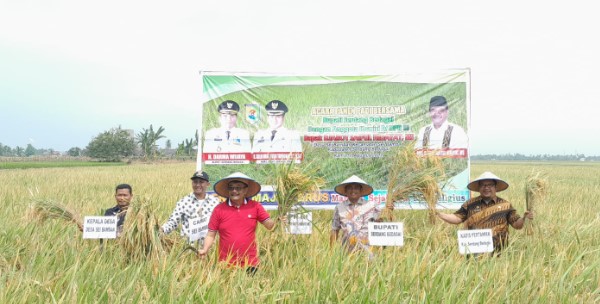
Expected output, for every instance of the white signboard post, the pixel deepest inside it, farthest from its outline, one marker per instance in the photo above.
(300, 223)
(475, 241)
(198, 228)
(100, 227)
(386, 234)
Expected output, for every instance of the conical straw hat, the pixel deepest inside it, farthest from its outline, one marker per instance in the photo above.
(366, 189)
(500, 184)
(222, 185)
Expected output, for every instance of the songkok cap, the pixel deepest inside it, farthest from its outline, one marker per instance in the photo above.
(365, 189)
(500, 184)
(200, 175)
(222, 185)
(276, 107)
(438, 101)
(229, 107)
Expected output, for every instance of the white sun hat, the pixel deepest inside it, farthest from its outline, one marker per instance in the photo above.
(222, 185)
(500, 184)
(365, 190)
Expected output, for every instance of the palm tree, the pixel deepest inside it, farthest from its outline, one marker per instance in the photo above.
(147, 140)
(189, 146)
(155, 137)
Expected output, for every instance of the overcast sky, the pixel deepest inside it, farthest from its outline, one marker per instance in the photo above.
(72, 69)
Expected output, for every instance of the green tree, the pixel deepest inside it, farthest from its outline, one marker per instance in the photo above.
(75, 151)
(180, 149)
(147, 140)
(5, 150)
(30, 150)
(111, 145)
(19, 151)
(8, 151)
(168, 144)
(189, 147)
(186, 148)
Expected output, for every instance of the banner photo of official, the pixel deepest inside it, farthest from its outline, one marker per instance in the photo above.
(276, 143)
(347, 124)
(227, 144)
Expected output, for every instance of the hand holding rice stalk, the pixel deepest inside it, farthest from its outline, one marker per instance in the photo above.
(535, 194)
(42, 210)
(415, 176)
(290, 181)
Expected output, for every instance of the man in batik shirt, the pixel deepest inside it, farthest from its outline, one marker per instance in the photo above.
(488, 211)
(352, 216)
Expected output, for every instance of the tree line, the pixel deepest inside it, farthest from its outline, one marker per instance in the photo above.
(117, 143)
(114, 145)
(29, 150)
(536, 157)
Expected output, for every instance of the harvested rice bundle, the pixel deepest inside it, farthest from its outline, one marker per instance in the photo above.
(535, 194)
(140, 238)
(42, 210)
(415, 176)
(292, 180)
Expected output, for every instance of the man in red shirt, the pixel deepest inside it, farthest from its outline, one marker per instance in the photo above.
(236, 221)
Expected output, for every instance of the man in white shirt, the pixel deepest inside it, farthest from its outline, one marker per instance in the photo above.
(276, 138)
(197, 205)
(227, 138)
(441, 134)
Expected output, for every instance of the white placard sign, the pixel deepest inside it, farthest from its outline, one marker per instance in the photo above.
(386, 234)
(475, 241)
(198, 228)
(100, 227)
(300, 223)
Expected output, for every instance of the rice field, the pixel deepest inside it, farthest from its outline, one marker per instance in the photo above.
(49, 262)
(52, 164)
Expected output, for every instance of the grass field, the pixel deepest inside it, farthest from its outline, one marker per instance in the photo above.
(50, 263)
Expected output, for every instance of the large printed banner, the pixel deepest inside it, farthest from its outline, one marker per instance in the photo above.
(346, 123)
(328, 199)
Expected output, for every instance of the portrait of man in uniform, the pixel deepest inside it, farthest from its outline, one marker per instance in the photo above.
(228, 138)
(276, 138)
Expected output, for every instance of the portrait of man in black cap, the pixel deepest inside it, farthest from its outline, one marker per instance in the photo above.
(276, 138)
(441, 134)
(227, 138)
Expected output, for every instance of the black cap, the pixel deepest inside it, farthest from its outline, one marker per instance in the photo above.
(438, 101)
(200, 175)
(276, 107)
(229, 107)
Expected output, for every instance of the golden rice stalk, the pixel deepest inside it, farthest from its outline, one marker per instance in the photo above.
(292, 180)
(413, 176)
(535, 194)
(42, 210)
(140, 238)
